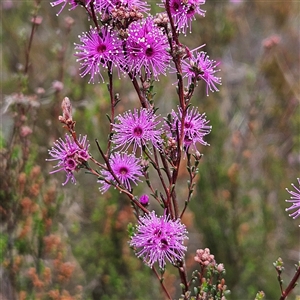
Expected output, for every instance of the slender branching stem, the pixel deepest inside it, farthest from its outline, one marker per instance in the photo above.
(162, 283)
(142, 98)
(291, 285)
(146, 175)
(183, 276)
(166, 166)
(192, 176)
(166, 189)
(33, 29)
(112, 105)
(93, 15)
(155, 164)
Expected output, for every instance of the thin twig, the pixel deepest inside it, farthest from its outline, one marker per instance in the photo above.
(162, 283)
(27, 51)
(93, 15)
(112, 104)
(142, 98)
(291, 285)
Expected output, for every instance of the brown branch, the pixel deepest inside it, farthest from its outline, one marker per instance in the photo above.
(291, 286)
(112, 104)
(142, 98)
(162, 283)
(33, 28)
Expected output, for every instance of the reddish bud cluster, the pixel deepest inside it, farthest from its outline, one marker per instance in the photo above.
(28, 206)
(37, 20)
(222, 286)
(21, 182)
(35, 278)
(66, 270)
(56, 295)
(122, 12)
(52, 243)
(204, 258)
(50, 195)
(26, 228)
(271, 41)
(25, 131)
(17, 262)
(161, 19)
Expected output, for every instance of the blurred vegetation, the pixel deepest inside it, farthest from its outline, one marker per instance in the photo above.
(238, 208)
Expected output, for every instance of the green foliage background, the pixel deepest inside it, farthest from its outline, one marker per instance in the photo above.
(238, 208)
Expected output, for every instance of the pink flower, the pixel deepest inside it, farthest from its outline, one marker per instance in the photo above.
(137, 129)
(159, 239)
(69, 155)
(184, 12)
(295, 200)
(127, 168)
(98, 51)
(72, 3)
(195, 127)
(198, 66)
(146, 49)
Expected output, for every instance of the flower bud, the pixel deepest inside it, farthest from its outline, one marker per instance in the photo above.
(144, 200)
(25, 131)
(67, 109)
(37, 20)
(69, 21)
(220, 268)
(57, 85)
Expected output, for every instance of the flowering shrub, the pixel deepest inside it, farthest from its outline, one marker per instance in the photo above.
(144, 147)
(128, 40)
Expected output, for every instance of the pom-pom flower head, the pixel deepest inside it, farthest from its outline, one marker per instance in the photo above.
(137, 128)
(127, 168)
(198, 67)
(159, 239)
(195, 127)
(98, 50)
(295, 200)
(146, 49)
(69, 155)
(73, 3)
(184, 11)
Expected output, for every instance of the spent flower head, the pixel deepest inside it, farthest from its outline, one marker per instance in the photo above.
(136, 128)
(198, 66)
(99, 50)
(195, 127)
(146, 49)
(295, 200)
(69, 155)
(159, 239)
(127, 169)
